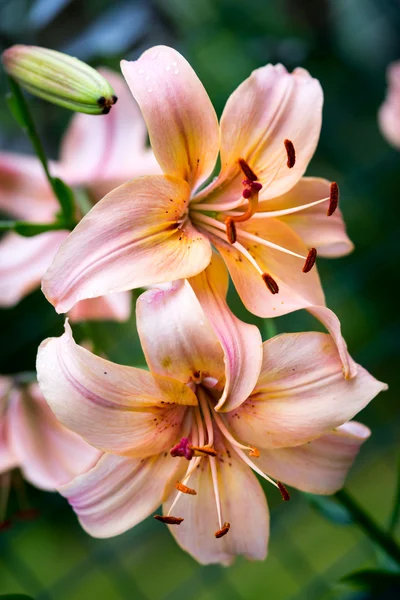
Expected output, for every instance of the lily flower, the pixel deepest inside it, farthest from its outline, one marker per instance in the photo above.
(32, 439)
(266, 220)
(389, 112)
(216, 407)
(97, 153)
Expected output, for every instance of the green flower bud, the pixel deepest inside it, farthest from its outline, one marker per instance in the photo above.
(59, 78)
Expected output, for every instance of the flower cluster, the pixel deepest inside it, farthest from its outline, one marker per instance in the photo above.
(216, 405)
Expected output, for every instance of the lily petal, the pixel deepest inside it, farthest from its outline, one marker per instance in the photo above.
(48, 454)
(115, 408)
(135, 236)
(119, 492)
(8, 460)
(240, 341)
(301, 376)
(180, 118)
(176, 337)
(243, 505)
(115, 307)
(102, 153)
(24, 189)
(317, 230)
(23, 260)
(321, 466)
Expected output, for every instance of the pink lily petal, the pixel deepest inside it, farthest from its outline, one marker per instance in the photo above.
(104, 152)
(119, 492)
(389, 112)
(132, 238)
(176, 337)
(115, 408)
(115, 307)
(317, 230)
(48, 454)
(8, 460)
(301, 376)
(24, 190)
(243, 505)
(321, 466)
(23, 260)
(180, 118)
(240, 341)
(269, 107)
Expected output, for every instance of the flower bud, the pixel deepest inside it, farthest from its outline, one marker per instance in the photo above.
(59, 78)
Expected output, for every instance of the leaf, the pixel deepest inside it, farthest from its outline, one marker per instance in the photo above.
(15, 597)
(330, 509)
(374, 580)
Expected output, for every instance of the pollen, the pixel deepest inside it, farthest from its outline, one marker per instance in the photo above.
(223, 531)
(270, 283)
(333, 199)
(310, 260)
(203, 450)
(284, 493)
(247, 170)
(254, 452)
(169, 520)
(185, 489)
(291, 154)
(230, 230)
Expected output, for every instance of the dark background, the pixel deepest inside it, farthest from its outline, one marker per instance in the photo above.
(347, 45)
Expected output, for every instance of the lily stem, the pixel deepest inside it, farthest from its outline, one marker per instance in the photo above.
(370, 527)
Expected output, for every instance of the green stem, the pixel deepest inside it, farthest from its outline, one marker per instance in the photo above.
(270, 328)
(24, 117)
(373, 531)
(28, 229)
(396, 507)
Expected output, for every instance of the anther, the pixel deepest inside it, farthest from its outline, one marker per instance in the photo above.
(185, 489)
(310, 260)
(182, 448)
(230, 230)
(254, 452)
(223, 531)
(284, 493)
(291, 153)
(270, 283)
(247, 170)
(333, 199)
(204, 450)
(169, 520)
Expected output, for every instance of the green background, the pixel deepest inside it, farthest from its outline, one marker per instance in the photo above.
(347, 45)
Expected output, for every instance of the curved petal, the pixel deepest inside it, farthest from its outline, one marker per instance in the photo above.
(136, 236)
(389, 112)
(48, 454)
(8, 460)
(321, 466)
(269, 107)
(119, 492)
(176, 337)
(240, 341)
(24, 189)
(301, 393)
(243, 505)
(181, 120)
(104, 152)
(23, 261)
(317, 230)
(115, 408)
(115, 307)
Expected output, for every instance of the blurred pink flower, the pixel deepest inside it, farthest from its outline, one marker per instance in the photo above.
(215, 405)
(263, 217)
(97, 153)
(389, 112)
(32, 439)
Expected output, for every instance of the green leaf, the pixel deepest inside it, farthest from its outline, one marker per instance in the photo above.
(16, 111)
(330, 509)
(15, 597)
(374, 580)
(66, 198)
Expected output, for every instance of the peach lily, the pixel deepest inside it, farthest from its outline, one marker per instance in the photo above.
(263, 217)
(389, 112)
(32, 439)
(97, 153)
(215, 406)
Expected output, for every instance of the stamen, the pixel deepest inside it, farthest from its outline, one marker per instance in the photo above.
(182, 448)
(203, 450)
(169, 519)
(333, 199)
(214, 476)
(247, 170)
(249, 462)
(254, 452)
(203, 400)
(227, 434)
(284, 493)
(270, 283)
(291, 153)
(223, 531)
(230, 230)
(185, 489)
(310, 260)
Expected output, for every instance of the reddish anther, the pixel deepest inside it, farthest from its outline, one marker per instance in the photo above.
(230, 230)
(310, 260)
(185, 489)
(291, 154)
(284, 493)
(169, 520)
(270, 283)
(333, 198)
(223, 531)
(247, 170)
(182, 448)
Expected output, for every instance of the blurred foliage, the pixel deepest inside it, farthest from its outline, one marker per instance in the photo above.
(347, 45)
